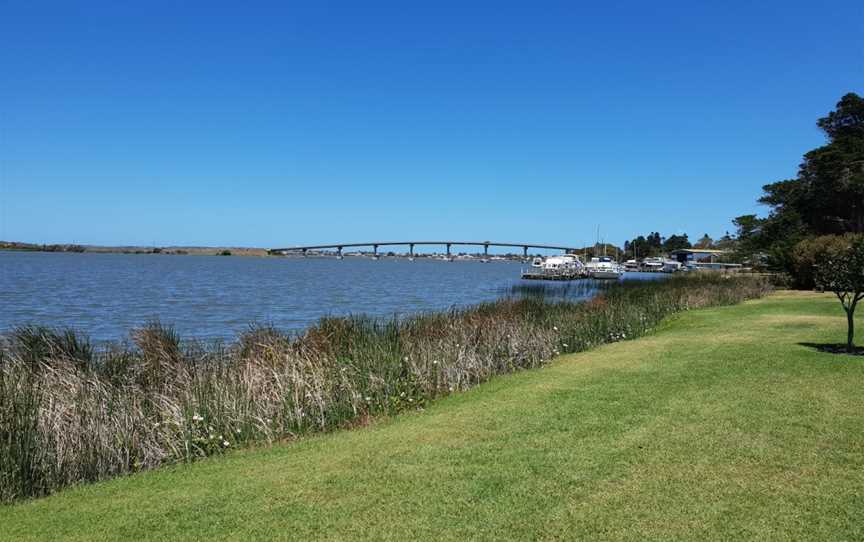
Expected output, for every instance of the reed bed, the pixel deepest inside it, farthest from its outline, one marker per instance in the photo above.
(73, 413)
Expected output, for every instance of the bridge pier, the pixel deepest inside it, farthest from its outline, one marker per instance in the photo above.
(338, 253)
(449, 255)
(411, 252)
(304, 252)
(525, 253)
(374, 252)
(485, 253)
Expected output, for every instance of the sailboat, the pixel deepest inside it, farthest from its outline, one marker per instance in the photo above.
(604, 267)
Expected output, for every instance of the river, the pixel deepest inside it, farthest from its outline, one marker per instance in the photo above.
(207, 297)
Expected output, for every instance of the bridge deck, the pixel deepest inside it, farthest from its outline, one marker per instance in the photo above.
(375, 244)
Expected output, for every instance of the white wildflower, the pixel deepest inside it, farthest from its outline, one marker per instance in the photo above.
(225, 443)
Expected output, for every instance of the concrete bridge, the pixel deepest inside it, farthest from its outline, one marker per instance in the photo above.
(411, 244)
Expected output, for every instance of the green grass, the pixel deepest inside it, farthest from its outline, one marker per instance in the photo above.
(718, 426)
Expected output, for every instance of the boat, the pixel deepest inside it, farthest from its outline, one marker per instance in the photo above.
(631, 265)
(604, 268)
(564, 267)
(652, 264)
(566, 264)
(671, 266)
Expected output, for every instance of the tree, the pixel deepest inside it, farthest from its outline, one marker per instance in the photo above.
(676, 242)
(842, 272)
(704, 242)
(826, 197)
(642, 247)
(727, 243)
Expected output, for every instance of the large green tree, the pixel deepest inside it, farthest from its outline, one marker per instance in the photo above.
(827, 196)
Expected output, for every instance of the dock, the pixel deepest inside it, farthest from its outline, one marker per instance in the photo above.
(554, 274)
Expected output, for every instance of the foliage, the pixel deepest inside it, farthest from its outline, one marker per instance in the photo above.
(826, 198)
(64, 420)
(676, 242)
(810, 252)
(704, 242)
(643, 247)
(842, 271)
(655, 245)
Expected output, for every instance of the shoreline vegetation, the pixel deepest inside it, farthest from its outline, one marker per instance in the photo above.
(132, 249)
(724, 424)
(72, 413)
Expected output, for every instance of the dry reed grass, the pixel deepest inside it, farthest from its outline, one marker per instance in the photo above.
(71, 413)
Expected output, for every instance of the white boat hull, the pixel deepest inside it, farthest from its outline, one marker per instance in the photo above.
(606, 274)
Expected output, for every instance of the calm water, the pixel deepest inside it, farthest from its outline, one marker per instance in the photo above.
(106, 295)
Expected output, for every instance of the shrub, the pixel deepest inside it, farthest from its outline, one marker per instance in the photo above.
(810, 252)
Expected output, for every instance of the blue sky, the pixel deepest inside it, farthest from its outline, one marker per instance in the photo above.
(273, 124)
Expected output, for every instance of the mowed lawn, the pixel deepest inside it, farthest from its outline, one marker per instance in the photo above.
(719, 426)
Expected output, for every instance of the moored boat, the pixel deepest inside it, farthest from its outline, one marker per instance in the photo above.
(604, 268)
(564, 267)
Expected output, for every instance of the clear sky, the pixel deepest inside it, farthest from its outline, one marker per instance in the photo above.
(273, 124)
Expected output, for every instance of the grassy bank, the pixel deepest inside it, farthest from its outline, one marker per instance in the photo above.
(719, 426)
(71, 413)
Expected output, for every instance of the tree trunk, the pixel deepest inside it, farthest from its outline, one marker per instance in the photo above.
(850, 334)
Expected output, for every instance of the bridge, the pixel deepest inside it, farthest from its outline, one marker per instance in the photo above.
(411, 244)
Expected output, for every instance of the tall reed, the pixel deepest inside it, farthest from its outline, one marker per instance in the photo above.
(71, 413)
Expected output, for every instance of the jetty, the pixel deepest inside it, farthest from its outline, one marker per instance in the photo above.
(545, 274)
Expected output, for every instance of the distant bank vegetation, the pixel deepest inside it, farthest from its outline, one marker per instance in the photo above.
(198, 251)
(73, 412)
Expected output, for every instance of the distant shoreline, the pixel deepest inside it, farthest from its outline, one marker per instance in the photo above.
(132, 249)
(228, 251)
